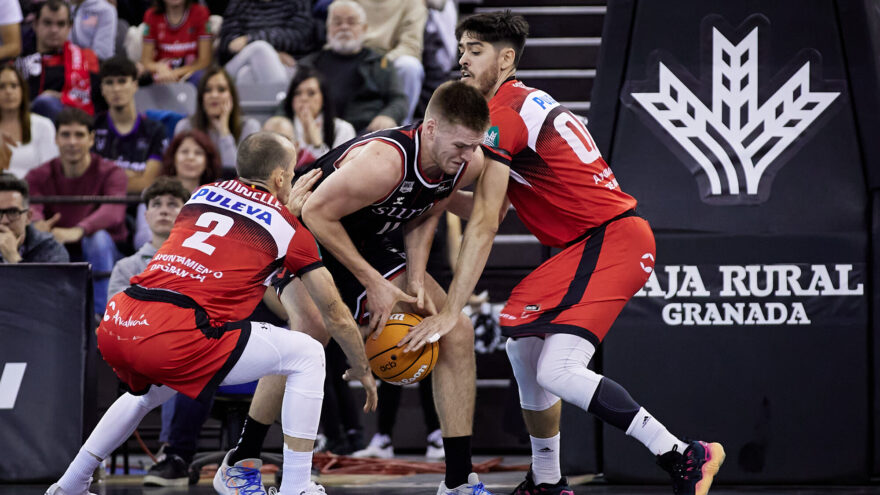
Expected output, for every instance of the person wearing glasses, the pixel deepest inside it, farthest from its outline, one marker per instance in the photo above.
(20, 242)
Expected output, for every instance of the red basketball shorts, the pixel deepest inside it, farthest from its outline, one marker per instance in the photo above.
(159, 342)
(582, 289)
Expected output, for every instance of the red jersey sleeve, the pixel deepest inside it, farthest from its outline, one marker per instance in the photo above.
(508, 134)
(150, 25)
(302, 254)
(200, 15)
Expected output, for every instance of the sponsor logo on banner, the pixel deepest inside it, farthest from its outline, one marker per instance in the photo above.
(734, 127)
(776, 294)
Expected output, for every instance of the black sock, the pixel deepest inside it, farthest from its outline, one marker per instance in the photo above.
(251, 442)
(458, 460)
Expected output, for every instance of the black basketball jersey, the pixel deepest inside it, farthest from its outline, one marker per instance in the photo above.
(414, 195)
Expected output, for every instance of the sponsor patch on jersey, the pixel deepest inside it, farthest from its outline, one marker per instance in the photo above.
(407, 186)
(491, 138)
(533, 307)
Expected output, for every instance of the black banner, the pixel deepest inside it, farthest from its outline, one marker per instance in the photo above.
(746, 105)
(45, 312)
(757, 342)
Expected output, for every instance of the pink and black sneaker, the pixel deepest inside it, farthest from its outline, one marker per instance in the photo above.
(693, 471)
(528, 487)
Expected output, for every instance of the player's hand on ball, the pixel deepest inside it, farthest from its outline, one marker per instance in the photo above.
(431, 329)
(301, 191)
(369, 383)
(423, 302)
(381, 298)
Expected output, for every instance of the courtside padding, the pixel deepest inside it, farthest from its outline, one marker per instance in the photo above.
(45, 315)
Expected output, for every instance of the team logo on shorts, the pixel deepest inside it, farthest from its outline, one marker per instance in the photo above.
(730, 126)
(647, 257)
(533, 307)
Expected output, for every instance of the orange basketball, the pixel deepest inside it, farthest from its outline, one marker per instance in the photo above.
(390, 363)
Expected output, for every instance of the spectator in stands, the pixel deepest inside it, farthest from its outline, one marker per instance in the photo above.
(60, 72)
(281, 125)
(177, 40)
(440, 52)
(89, 231)
(192, 159)
(123, 135)
(396, 29)
(219, 115)
(19, 241)
(366, 90)
(310, 107)
(10, 30)
(26, 139)
(260, 40)
(163, 200)
(94, 26)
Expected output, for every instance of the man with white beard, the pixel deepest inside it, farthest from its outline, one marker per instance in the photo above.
(364, 85)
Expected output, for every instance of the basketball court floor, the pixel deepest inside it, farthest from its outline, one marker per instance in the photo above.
(113, 488)
(426, 484)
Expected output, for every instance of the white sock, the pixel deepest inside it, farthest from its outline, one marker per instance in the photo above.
(78, 476)
(436, 436)
(545, 459)
(646, 429)
(297, 471)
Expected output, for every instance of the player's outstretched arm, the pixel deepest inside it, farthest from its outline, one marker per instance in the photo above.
(342, 327)
(489, 198)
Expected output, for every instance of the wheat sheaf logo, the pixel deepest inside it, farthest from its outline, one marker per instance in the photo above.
(736, 143)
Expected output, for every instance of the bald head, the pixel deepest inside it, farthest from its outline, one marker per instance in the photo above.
(280, 125)
(263, 152)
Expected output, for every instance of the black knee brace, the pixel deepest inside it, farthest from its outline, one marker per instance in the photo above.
(612, 404)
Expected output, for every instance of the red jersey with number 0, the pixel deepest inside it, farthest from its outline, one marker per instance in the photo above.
(559, 183)
(227, 242)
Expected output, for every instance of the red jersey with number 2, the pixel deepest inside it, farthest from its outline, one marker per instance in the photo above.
(559, 183)
(227, 242)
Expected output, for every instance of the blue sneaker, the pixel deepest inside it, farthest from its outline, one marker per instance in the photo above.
(472, 487)
(241, 479)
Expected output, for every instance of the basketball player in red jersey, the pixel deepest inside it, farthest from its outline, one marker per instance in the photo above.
(178, 328)
(568, 197)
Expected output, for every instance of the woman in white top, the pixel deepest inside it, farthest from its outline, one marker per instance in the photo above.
(313, 112)
(218, 115)
(27, 140)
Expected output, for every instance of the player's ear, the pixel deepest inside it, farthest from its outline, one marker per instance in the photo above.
(430, 126)
(508, 56)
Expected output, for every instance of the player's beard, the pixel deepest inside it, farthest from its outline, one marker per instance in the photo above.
(487, 80)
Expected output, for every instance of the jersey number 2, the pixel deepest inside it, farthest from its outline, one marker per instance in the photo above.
(222, 227)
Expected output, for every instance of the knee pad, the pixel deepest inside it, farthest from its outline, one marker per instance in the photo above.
(613, 404)
(313, 353)
(523, 355)
(569, 379)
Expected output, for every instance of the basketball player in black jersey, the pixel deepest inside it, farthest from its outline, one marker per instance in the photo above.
(374, 214)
